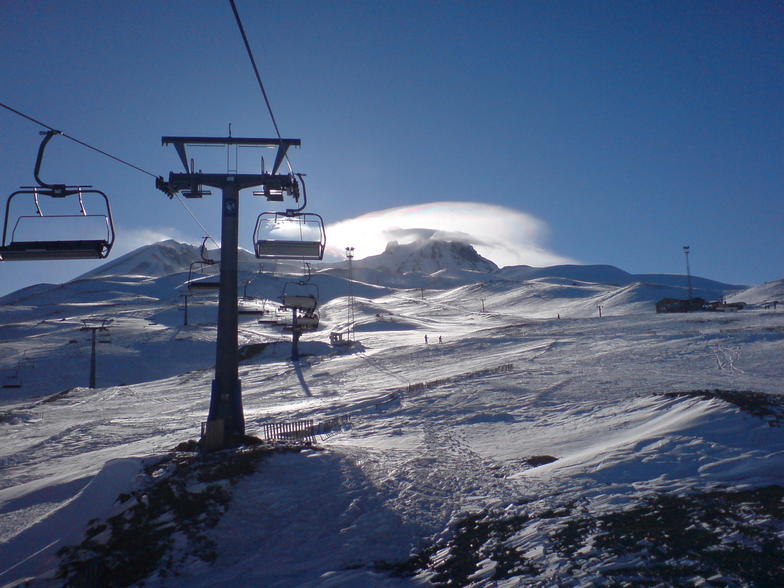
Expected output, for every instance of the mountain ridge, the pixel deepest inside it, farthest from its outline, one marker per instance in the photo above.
(429, 263)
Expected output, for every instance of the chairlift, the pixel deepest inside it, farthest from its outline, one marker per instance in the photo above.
(291, 234)
(253, 309)
(26, 362)
(12, 380)
(300, 296)
(43, 236)
(336, 339)
(308, 321)
(255, 277)
(205, 281)
(286, 235)
(273, 315)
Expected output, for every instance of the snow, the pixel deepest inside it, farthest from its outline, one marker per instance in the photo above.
(439, 431)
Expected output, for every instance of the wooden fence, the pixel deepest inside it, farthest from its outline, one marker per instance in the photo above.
(423, 386)
(304, 431)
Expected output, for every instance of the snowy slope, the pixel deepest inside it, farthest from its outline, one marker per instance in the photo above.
(761, 294)
(504, 455)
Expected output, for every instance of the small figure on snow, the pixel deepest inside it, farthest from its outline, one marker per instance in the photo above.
(425, 339)
(439, 338)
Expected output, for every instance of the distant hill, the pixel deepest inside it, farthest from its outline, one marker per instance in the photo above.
(611, 275)
(158, 259)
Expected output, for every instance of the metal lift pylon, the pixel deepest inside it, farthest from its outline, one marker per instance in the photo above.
(226, 421)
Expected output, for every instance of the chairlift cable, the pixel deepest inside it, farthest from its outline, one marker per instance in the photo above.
(75, 140)
(196, 220)
(136, 167)
(258, 75)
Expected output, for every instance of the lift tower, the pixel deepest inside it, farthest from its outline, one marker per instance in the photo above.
(226, 421)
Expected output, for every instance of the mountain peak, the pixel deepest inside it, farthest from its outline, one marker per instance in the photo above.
(158, 259)
(155, 259)
(427, 256)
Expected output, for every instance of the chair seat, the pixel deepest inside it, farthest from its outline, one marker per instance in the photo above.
(277, 249)
(40, 250)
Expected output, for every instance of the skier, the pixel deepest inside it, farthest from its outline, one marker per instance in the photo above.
(439, 338)
(425, 339)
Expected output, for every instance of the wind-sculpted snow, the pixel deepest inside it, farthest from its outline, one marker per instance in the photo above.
(513, 446)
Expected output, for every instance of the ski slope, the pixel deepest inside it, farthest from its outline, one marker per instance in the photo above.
(518, 419)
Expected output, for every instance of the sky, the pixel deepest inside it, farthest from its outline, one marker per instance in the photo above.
(544, 132)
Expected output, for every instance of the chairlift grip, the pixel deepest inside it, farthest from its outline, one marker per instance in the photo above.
(294, 211)
(58, 190)
(81, 203)
(38, 210)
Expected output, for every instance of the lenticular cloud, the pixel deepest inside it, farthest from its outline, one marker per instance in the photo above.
(503, 235)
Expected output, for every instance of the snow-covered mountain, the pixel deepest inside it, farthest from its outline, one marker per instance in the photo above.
(159, 259)
(421, 264)
(526, 441)
(427, 257)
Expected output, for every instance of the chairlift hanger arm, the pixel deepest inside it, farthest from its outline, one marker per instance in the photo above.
(181, 142)
(47, 137)
(187, 181)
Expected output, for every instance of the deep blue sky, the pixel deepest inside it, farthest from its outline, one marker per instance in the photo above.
(629, 128)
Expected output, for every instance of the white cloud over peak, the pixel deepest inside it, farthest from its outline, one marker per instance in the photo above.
(503, 235)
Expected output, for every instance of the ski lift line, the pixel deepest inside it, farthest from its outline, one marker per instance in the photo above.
(196, 220)
(102, 152)
(82, 143)
(258, 76)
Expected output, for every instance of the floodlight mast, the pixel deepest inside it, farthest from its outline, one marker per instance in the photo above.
(226, 421)
(688, 270)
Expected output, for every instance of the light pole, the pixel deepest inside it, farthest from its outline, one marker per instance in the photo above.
(688, 270)
(350, 317)
(185, 308)
(104, 326)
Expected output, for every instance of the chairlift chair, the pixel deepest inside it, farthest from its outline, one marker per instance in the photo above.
(26, 240)
(289, 235)
(204, 282)
(336, 339)
(26, 362)
(300, 295)
(308, 322)
(252, 309)
(31, 237)
(12, 380)
(273, 316)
